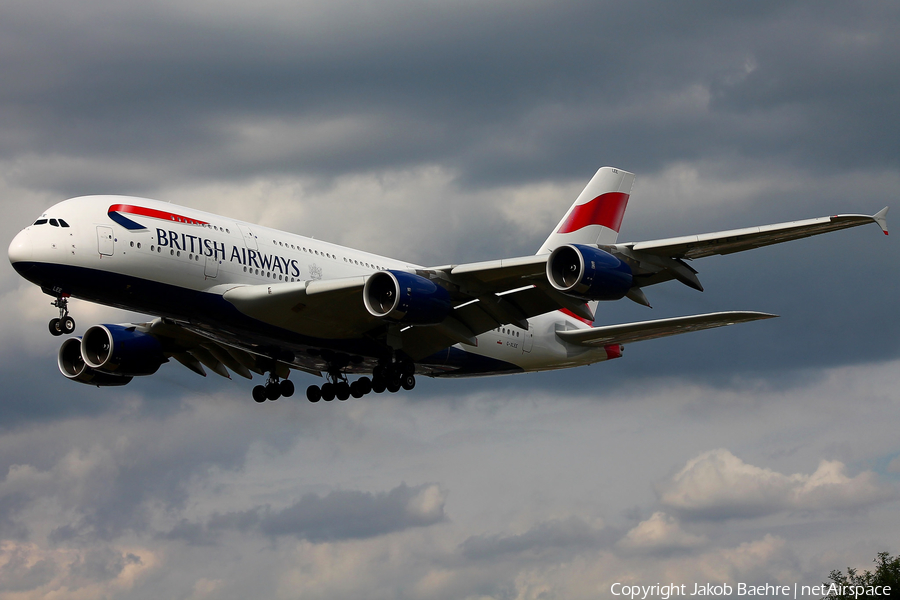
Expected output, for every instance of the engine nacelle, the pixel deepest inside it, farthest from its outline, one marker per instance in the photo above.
(406, 298)
(121, 350)
(71, 364)
(588, 273)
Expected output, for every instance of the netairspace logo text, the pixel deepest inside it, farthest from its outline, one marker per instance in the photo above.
(664, 592)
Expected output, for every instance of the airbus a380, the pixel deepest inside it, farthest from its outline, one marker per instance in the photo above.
(230, 295)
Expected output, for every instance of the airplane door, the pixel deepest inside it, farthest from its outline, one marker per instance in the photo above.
(105, 241)
(211, 268)
(249, 238)
(528, 342)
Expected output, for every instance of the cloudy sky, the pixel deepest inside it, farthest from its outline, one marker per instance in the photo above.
(451, 131)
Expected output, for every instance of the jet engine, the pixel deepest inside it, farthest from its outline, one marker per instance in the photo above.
(588, 272)
(406, 298)
(121, 350)
(71, 364)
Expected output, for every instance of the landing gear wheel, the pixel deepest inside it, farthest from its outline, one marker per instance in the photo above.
(379, 385)
(67, 325)
(365, 384)
(408, 382)
(313, 393)
(342, 391)
(259, 393)
(393, 386)
(286, 387)
(272, 391)
(356, 390)
(327, 392)
(407, 367)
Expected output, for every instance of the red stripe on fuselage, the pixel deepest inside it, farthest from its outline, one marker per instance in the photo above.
(156, 214)
(606, 209)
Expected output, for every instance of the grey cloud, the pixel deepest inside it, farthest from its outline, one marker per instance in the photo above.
(19, 573)
(101, 564)
(343, 515)
(570, 533)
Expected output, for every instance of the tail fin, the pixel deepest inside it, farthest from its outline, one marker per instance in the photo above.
(597, 213)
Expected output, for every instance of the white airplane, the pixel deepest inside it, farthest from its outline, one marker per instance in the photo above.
(232, 295)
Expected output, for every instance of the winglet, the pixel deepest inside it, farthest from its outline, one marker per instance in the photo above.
(881, 218)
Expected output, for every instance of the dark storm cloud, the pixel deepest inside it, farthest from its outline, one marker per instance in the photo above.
(499, 92)
(339, 515)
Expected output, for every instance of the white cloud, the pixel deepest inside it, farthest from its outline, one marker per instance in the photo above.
(717, 484)
(660, 533)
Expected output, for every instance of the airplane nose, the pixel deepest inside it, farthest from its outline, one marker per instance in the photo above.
(20, 249)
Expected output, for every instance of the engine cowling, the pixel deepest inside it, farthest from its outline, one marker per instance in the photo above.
(406, 298)
(588, 273)
(121, 350)
(71, 364)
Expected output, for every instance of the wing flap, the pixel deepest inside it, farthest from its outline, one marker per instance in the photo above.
(649, 330)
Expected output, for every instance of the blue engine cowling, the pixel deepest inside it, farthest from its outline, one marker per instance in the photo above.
(406, 298)
(588, 272)
(71, 364)
(121, 350)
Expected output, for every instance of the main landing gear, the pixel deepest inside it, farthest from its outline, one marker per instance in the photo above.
(274, 389)
(385, 378)
(64, 324)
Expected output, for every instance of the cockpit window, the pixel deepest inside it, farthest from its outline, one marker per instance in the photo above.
(63, 223)
(54, 223)
(40, 221)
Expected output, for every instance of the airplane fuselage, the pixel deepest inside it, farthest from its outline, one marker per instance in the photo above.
(176, 262)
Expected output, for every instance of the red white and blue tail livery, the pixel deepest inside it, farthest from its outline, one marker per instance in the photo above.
(234, 297)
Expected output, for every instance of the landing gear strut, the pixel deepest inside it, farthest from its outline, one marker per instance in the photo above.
(274, 389)
(64, 324)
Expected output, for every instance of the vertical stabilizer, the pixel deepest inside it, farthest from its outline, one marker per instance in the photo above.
(597, 213)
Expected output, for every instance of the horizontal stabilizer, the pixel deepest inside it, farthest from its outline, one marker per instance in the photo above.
(648, 330)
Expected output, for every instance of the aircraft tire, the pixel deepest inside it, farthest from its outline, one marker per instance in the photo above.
(67, 325)
(408, 382)
(342, 391)
(327, 392)
(272, 391)
(313, 393)
(55, 327)
(379, 385)
(259, 393)
(357, 389)
(286, 387)
(407, 367)
(365, 384)
(394, 386)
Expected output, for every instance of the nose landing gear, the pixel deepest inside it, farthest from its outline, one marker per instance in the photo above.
(64, 324)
